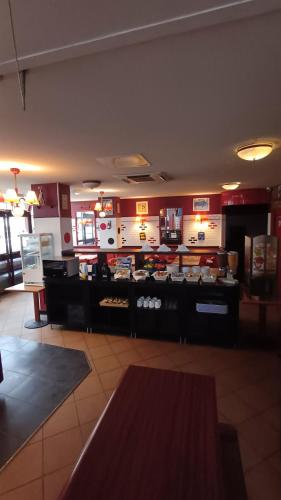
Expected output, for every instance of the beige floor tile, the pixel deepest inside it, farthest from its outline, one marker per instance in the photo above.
(122, 346)
(106, 364)
(78, 344)
(90, 386)
(53, 483)
(38, 436)
(148, 350)
(25, 467)
(273, 416)
(260, 435)
(31, 491)
(275, 462)
(95, 340)
(234, 408)
(180, 356)
(70, 399)
(54, 340)
(62, 449)
(198, 367)
(128, 357)
(110, 379)
(89, 409)
(87, 429)
(114, 338)
(248, 455)
(256, 397)
(65, 417)
(162, 362)
(100, 351)
(263, 482)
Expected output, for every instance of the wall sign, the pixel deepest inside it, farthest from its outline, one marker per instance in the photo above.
(201, 236)
(64, 201)
(142, 207)
(201, 204)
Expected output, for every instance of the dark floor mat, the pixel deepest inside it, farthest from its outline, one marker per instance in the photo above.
(37, 379)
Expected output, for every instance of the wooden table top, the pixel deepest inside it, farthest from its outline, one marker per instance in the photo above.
(157, 440)
(23, 287)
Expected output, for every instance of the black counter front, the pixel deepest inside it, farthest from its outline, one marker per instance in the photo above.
(189, 312)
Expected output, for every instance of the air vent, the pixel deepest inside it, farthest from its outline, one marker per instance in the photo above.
(143, 178)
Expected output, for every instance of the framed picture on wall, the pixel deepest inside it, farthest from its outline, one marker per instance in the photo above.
(108, 206)
(201, 204)
(142, 207)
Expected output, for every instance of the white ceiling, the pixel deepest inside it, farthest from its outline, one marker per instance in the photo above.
(182, 82)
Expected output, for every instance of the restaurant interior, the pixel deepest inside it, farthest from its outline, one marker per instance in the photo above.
(140, 250)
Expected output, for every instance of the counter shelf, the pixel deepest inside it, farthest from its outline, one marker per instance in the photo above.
(76, 303)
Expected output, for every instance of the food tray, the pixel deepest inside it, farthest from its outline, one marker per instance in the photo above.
(208, 279)
(122, 274)
(107, 302)
(178, 277)
(192, 278)
(160, 275)
(140, 274)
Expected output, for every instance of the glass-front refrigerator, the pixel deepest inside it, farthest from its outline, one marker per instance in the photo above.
(261, 261)
(34, 249)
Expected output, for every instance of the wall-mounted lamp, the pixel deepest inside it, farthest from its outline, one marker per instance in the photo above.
(202, 220)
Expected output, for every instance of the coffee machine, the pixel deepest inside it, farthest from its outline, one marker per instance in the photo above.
(171, 226)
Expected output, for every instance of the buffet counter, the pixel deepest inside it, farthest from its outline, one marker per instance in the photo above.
(190, 312)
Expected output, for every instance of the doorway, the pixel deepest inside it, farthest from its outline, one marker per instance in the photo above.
(10, 259)
(240, 221)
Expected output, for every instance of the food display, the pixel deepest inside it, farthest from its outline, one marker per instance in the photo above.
(140, 275)
(192, 277)
(208, 278)
(160, 275)
(114, 302)
(178, 277)
(158, 262)
(122, 274)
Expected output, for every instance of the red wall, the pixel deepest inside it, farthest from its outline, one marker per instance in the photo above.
(217, 201)
(128, 205)
(81, 206)
(245, 197)
(52, 194)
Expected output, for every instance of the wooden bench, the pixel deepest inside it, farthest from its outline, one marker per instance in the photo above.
(157, 439)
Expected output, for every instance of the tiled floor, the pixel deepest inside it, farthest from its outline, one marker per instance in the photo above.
(248, 392)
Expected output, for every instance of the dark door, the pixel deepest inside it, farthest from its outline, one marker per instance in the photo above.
(10, 259)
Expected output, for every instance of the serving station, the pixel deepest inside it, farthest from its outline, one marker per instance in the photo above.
(145, 301)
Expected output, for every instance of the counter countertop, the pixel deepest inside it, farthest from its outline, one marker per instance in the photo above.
(126, 250)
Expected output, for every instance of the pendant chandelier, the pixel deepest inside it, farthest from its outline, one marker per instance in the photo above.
(18, 202)
(99, 206)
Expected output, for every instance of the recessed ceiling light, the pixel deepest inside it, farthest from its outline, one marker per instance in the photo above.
(230, 186)
(77, 193)
(253, 152)
(129, 161)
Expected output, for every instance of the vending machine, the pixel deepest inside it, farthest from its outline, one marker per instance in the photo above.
(261, 261)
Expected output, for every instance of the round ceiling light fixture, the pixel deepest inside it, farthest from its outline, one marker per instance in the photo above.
(253, 152)
(230, 186)
(91, 184)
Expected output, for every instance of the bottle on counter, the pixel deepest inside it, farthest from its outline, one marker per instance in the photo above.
(105, 272)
